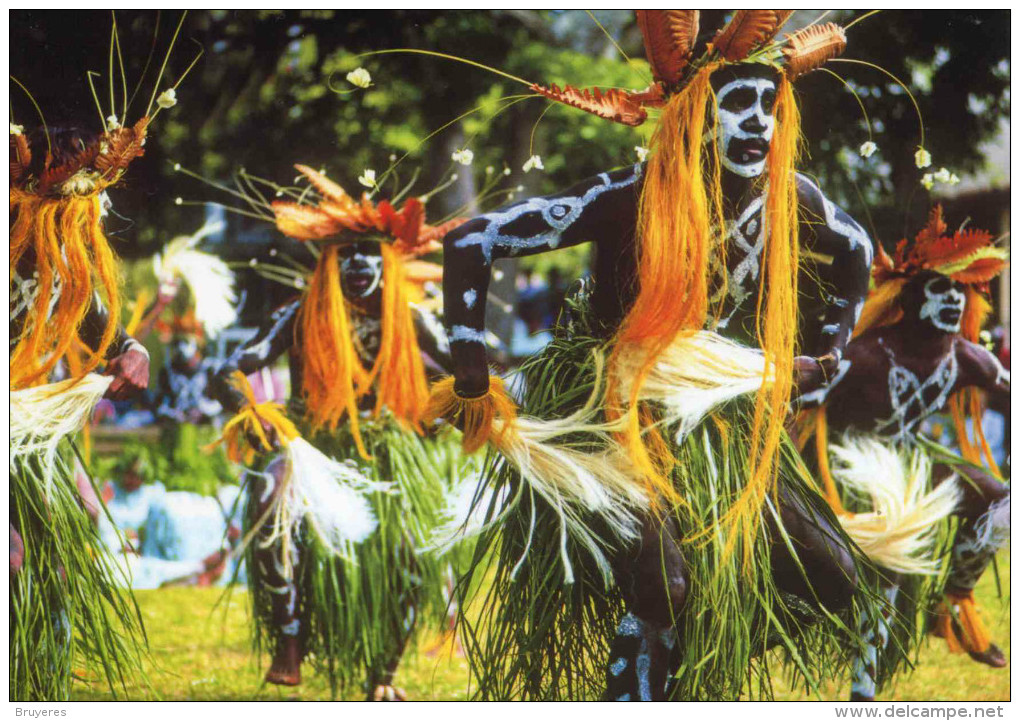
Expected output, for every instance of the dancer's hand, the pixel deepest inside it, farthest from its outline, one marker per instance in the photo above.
(130, 371)
(810, 374)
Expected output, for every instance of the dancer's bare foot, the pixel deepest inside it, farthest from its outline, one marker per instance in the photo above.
(991, 656)
(384, 692)
(286, 667)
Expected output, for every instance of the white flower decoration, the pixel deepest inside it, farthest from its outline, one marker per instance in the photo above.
(17, 129)
(167, 99)
(359, 77)
(922, 158)
(506, 171)
(927, 180)
(489, 170)
(868, 149)
(942, 175)
(953, 179)
(642, 153)
(367, 179)
(464, 157)
(113, 122)
(178, 201)
(535, 161)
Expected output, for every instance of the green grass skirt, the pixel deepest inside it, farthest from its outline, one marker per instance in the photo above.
(355, 616)
(538, 637)
(69, 609)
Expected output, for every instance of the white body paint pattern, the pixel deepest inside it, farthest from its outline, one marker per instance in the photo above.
(559, 213)
(470, 296)
(746, 237)
(906, 395)
(463, 333)
(730, 123)
(935, 302)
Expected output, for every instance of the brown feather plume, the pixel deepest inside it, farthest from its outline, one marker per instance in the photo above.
(613, 104)
(810, 48)
(747, 30)
(669, 37)
(20, 157)
(119, 147)
(324, 185)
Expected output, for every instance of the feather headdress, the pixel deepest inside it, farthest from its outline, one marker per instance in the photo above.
(333, 377)
(967, 256)
(669, 39)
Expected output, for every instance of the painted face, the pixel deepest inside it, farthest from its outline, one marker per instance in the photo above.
(360, 270)
(184, 351)
(944, 302)
(746, 124)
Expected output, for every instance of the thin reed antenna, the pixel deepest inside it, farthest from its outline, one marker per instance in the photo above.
(856, 97)
(145, 69)
(95, 96)
(46, 130)
(630, 63)
(865, 16)
(120, 63)
(448, 57)
(531, 141)
(155, 86)
(917, 109)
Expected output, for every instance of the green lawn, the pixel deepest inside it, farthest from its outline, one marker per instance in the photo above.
(201, 651)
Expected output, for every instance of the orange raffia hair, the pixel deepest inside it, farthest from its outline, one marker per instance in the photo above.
(57, 228)
(64, 236)
(333, 377)
(967, 256)
(680, 214)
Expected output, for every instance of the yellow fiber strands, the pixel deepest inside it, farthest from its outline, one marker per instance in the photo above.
(399, 372)
(248, 422)
(64, 239)
(333, 376)
(676, 242)
(476, 414)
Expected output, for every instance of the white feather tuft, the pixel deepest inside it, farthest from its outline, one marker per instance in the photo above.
(899, 532)
(698, 373)
(210, 279)
(43, 416)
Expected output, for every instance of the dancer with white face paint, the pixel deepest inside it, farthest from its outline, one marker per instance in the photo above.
(656, 570)
(360, 353)
(915, 355)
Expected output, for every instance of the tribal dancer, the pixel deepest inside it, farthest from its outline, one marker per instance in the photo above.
(914, 355)
(672, 497)
(355, 342)
(65, 608)
(186, 412)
